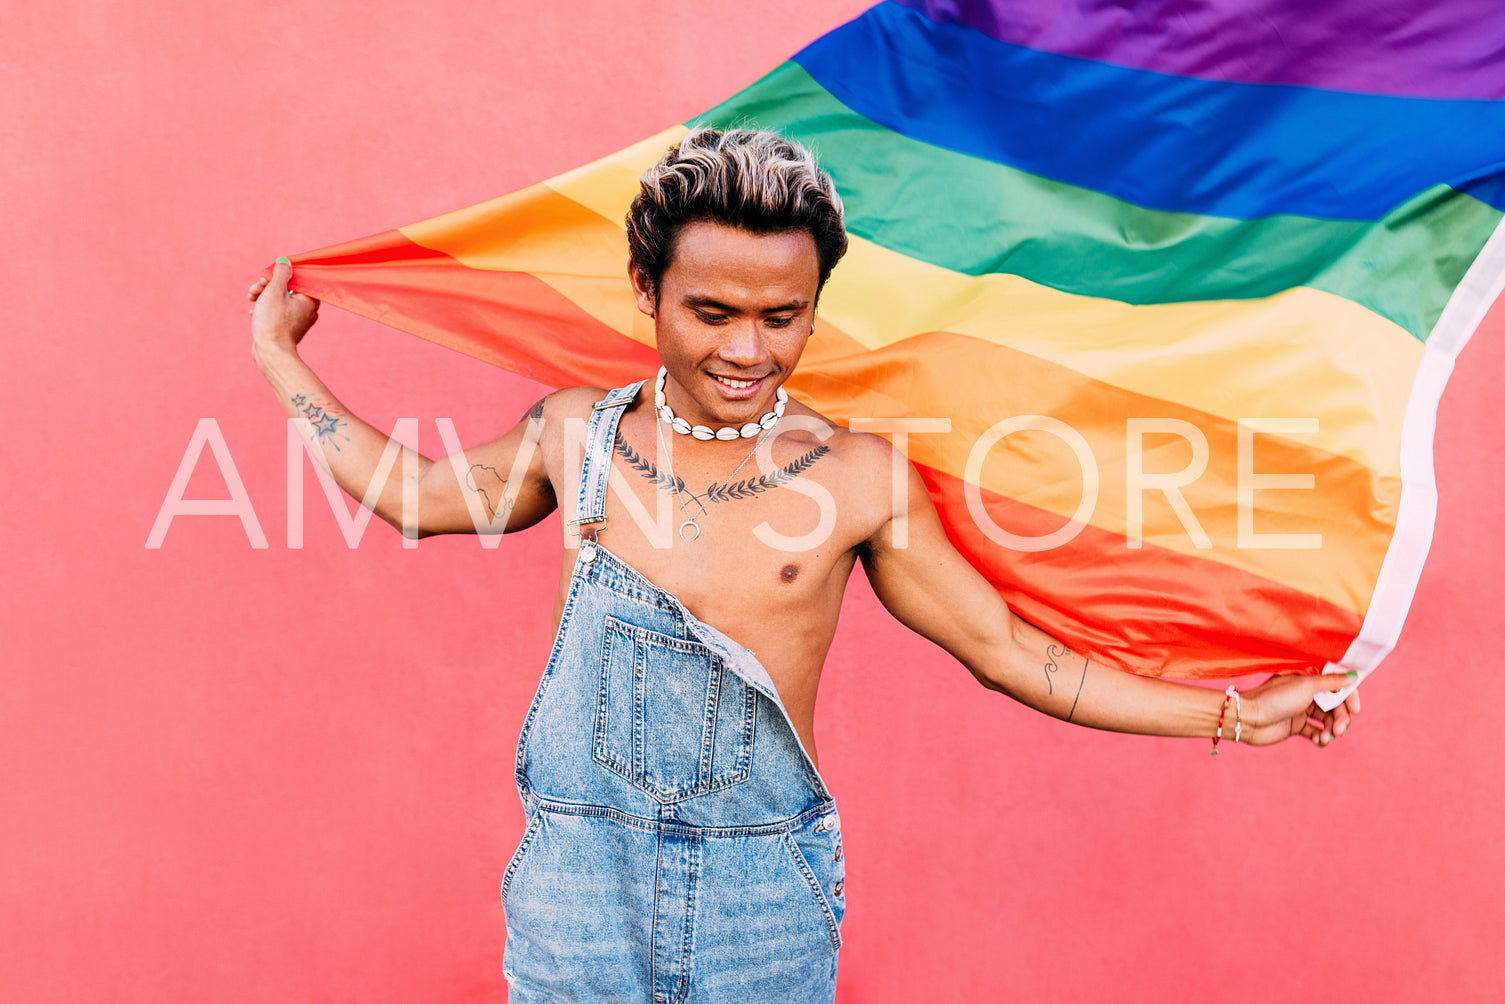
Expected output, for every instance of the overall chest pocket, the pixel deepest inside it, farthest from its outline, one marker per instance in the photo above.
(670, 716)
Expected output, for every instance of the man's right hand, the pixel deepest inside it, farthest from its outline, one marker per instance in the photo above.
(279, 317)
(490, 488)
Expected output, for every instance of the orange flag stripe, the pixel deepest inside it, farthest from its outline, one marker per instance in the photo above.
(510, 319)
(1157, 612)
(976, 384)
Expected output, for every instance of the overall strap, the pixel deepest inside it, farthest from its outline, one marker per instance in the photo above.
(600, 435)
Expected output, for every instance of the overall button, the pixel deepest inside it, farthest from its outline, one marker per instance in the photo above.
(826, 823)
(587, 552)
(838, 889)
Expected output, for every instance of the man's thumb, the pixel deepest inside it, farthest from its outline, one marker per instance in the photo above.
(278, 276)
(1333, 681)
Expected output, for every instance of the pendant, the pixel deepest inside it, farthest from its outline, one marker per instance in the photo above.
(690, 523)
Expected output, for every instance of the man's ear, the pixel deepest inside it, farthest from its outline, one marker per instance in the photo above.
(643, 289)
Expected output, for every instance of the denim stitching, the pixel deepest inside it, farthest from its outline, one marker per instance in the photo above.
(635, 771)
(625, 587)
(820, 897)
(683, 829)
(749, 727)
(601, 429)
(517, 858)
(639, 700)
(628, 581)
(603, 697)
(706, 765)
(548, 673)
(658, 885)
(692, 889)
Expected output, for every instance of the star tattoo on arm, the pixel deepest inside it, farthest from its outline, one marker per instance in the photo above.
(323, 423)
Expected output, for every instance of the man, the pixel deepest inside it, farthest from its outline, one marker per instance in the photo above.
(680, 844)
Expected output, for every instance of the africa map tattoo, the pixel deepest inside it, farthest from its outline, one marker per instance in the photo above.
(324, 424)
(488, 482)
(732, 492)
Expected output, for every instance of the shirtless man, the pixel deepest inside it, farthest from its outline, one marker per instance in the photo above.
(681, 845)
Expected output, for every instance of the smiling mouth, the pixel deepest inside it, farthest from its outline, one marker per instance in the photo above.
(735, 384)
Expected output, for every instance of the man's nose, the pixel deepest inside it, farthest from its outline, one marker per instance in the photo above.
(743, 345)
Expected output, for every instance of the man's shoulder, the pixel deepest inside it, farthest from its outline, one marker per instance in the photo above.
(574, 400)
(866, 462)
(860, 469)
(860, 449)
(559, 411)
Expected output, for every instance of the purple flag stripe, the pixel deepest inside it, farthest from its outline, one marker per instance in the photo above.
(1399, 47)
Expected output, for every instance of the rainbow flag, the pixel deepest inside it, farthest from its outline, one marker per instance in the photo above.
(1187, 289)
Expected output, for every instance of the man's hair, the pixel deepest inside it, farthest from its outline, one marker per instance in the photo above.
(756, 181)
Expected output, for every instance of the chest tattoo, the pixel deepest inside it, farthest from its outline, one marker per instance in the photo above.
(730, 492)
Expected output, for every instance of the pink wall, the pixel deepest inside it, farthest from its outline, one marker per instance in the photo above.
(276, 775)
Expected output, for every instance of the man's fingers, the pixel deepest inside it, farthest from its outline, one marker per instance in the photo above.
(1318, 726)
(1340, 719)
(1319, 734)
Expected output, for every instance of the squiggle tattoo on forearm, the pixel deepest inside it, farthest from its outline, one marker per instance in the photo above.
(732, 492)
(324, 425)
(1057, 651)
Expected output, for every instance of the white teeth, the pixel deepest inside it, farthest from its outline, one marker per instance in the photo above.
(739, 384)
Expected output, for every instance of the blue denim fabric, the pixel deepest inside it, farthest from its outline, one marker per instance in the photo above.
(680, 845)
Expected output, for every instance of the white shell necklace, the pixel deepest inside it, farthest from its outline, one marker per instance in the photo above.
(679, 425)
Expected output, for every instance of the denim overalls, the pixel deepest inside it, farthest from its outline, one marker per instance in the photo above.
(680, 846)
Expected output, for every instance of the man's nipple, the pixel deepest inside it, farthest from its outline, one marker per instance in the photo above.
(789, 573)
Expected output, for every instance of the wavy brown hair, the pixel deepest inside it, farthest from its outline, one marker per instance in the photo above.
(753, 180)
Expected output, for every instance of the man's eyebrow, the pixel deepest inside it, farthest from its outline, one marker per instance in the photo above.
(714, 304)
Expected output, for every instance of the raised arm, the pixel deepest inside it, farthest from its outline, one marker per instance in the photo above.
(499, 486)
(933, 590)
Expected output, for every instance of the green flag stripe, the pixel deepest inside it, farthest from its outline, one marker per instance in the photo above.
(977, 216)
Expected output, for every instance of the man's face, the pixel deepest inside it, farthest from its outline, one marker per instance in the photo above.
(732, 313)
